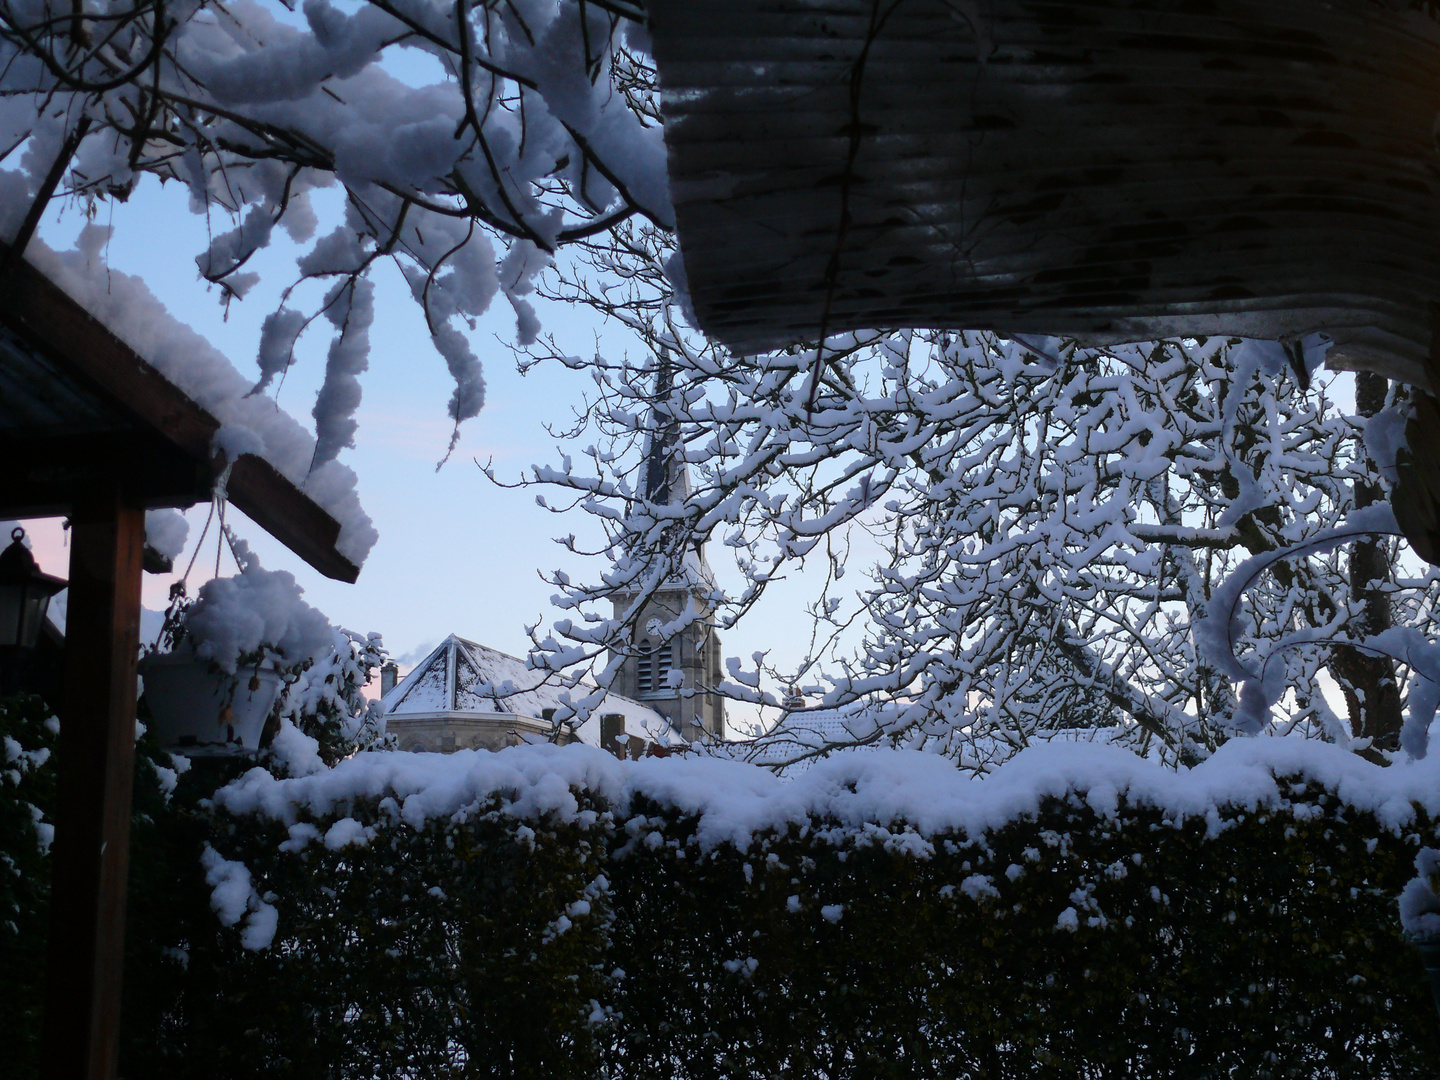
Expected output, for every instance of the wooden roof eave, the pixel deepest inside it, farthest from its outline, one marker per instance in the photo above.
(50, 321)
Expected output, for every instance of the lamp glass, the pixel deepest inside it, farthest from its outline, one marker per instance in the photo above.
(22, 614)
(12, 598)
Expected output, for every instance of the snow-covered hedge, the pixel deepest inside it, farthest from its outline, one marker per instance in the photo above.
(554, 912)
(27, 783)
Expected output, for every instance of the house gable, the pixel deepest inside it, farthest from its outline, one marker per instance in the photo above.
(467, 695)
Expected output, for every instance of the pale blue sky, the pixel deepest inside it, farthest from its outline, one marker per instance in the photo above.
(456, 553)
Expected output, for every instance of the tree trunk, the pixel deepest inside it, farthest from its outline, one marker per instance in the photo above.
(1372, 695)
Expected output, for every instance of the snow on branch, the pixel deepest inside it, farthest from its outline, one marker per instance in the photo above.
(450, 127)
(1013, 537)
(1264, 683)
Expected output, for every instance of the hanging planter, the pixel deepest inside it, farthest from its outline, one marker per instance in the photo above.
(224, 658)
(208, 693)
(199, 708)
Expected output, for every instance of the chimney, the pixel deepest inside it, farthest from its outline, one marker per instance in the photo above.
(389, 673)
(612, 729)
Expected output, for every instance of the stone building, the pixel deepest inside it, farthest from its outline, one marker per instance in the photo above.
(468, 696)
(676, 675)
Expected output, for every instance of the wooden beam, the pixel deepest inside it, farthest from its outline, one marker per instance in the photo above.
(41, 313)
(44, 474)
(282, 510)
(45, 316)
(96, 754)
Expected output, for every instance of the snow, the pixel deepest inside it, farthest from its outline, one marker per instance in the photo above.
(809, 731)
(469, 145)
(979, 887)
(986, 484)
(804, 736)
(129, 309)
(345, 832)
(166, 532)
(921, 793)
(232, 896)
(485, 681)
(296, 752)
(233, 617)
(1419, 903)
(1266, 683)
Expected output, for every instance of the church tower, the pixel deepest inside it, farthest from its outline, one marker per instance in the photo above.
(677, 675)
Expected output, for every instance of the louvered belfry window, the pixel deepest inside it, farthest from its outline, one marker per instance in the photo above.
(645, 667)
(652, 666)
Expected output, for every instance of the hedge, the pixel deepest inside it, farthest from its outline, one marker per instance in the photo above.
(619, 939)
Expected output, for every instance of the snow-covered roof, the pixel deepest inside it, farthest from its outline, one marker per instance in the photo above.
(461, 676)
(93, 369)
(252, 429)
(802, 731)
(822, 732)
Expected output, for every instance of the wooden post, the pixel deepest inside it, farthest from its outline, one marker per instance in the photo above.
(91, 853)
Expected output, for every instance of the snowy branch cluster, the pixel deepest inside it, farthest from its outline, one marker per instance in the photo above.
(470, 140)
(1047, 525)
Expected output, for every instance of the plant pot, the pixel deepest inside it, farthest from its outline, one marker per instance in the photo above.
(197, 710)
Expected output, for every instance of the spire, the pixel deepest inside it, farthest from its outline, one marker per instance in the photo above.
(665, 475)
(665, 479)
(691, 705)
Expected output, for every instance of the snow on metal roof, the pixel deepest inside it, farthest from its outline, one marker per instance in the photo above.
(808, 731)
(461, 676)
(1095, 169)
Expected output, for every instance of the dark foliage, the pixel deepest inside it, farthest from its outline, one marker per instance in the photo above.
(1075, 944)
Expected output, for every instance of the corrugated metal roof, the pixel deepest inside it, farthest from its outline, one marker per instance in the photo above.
(1103, 169)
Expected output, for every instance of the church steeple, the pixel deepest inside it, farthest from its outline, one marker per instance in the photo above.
(665, 480)
(661, 443)
(692, 657)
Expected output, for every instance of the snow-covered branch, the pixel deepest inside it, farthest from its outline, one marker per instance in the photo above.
(470, 140)
(1046, 525)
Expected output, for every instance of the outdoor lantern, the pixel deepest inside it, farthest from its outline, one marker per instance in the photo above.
(25, 593)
